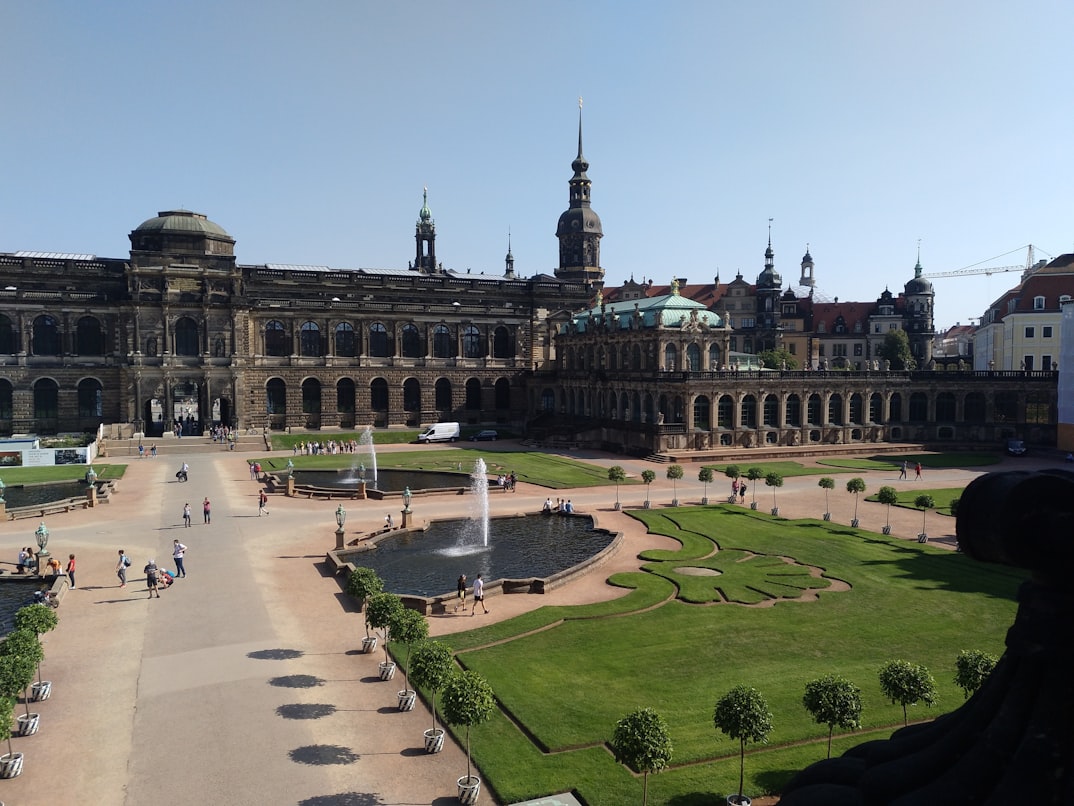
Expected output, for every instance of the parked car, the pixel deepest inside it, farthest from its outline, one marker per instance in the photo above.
(1016, 447)
(486, 435)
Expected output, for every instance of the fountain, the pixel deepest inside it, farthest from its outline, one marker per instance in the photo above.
(479, 486)
(366, 446)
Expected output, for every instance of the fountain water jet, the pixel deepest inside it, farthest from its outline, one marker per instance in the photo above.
(366, 446)
(479, 485)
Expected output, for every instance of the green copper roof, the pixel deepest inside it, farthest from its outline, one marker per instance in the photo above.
(669, 310)
(181, 221)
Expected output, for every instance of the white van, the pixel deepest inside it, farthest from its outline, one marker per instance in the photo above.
(440, 432)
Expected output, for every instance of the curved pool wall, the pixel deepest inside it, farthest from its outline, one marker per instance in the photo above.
(528, 553)
(29, 495)
(16, 591)
(388, 481)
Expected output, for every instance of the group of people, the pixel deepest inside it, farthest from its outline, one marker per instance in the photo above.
(27, 564)
(479, 594)
(738, 490)
(562, 506)
(142, 453)
(206, 512)
(507, 481)
(330, 447)
(156, 578)
(905, 467)
(223, 433)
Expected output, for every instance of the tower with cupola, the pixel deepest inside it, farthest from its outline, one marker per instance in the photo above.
(425, 238)
(579, 230)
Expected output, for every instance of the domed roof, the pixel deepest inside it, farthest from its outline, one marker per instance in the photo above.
(181, 221)
(918, 285)
(579, 219)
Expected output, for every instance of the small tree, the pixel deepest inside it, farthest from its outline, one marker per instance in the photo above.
(972, 668)
(773, 480)
(743, 714)
(642, 742)
(20, 653)
(674, 473)
(648, 476)
(618, 475)
(39, 619)
(381, 611)
(906, 683)
(732, 472)
(887, 496)
(704, 475)
(833, 701)
(753, 474)
(953, 506)
(827, 483)
(468, 701)
(431, 667)
(856, 486)
(924, 503)
(408, 627)
(7, 711)
(362, 584)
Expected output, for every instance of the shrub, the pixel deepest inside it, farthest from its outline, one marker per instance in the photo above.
(642, 742)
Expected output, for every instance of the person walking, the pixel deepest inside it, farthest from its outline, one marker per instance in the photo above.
(262, 503)
(186, 515)
(479, 595)
(461, 588)
(71, 569)
(917, 470)
(178, 554)
(902, 470)
(152, 451)
(121, 568)
(742, 492)
(207, 510)
(151, 572)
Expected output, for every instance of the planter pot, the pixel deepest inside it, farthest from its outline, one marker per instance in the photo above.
(738, 800)
(617, 506)
(369, 644)
(674, 502)
(775, 510)
(406, 699)
(753, 505)
(434, 740)
(705, 501)
(10, 765)
(854, 523)
(886, 530)
(646, 505)
(922, 538)
(387, 670)
(41, 691)
(827, 516)
(469, 789)
(28, 725)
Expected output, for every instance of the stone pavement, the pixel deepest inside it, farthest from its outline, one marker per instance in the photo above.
(244, 684)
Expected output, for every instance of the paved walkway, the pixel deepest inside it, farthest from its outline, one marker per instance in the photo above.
(243, 684)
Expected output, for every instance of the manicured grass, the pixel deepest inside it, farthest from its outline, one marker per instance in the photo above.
(286, 442)
(895, 460)
(942, 496)
(31, 475)
(555, 472)
(566, 675)
(785, 469)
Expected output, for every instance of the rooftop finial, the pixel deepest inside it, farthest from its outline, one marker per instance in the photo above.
(917, 268)
(579, 127)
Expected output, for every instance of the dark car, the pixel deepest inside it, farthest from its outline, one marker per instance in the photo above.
(1016, 447)
(483, 436)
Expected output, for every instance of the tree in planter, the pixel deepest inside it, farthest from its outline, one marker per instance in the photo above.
(467, 701)
(754, 474)
(924, 503)
(972, 668)
(379, 612)
(39, 619)
(773, 480)
(617, 475)
(704, 475)
(7, 712)
(16, 671)
(674, 473)
(906, 683)
(833, 701)
(827, 483)
(856, 486)
(732, 472)
(648, 476)
(407, 627)
(887, 496)
(642, 742)
(364, 583)
(431, 667)
(743, 714)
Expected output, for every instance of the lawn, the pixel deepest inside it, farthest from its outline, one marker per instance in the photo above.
(33, 475)
(286, 442)
(785, 469)
(567, 684)
(942, 496)
(894, 461)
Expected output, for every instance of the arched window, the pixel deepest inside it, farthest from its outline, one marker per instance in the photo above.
(701, 413)
(725, 412)
(46, 400)
(8, 343)
(635, 359)
(411, 395)
(501, 343)
(276, 338)
(46, 336)
(771, 410)
(548, 400)
(378, 395)
(794, 411)
(345, 340)
(876, 407)
(919, 407)
(442, 393)
(345, 397)
(311, 396)
(748, 415)
(275, 396)
(945, 407)
(411, 342)
(89, 340)
(186, 336)
(90, 398)
(442, 343)
(835, 409)
(151, 346)
(503, 394)
(813, 410)
(6, 396)
(472, 346)
(714, 357)
(378, 340)
(693, 358)
(309, 340)
(671, 358)
(895, 408)
(473, 394)
(975, 407)
(857, 406)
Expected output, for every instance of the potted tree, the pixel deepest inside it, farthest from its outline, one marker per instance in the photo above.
(754, 474)
(704, 475)
(642, 742)
(24, 651)
(924, 502)
(906, 683)
(856, 486)
(380, 611)
(648, 476)
(743, 714)
(617, 475)
(827, 483)
(774, 480)
(972, 668)
(40, 619)
(431, 667)
(887, 496)
(833, 701)
(732, 472)
(10, 762)
(674, 473)
(362, 584)
(468, 701)
(408, 627)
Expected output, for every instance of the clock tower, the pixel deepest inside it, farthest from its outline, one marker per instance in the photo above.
(425, 238)
(579, 230)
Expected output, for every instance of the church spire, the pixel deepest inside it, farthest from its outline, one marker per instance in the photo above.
(425, 238)
(579, 230)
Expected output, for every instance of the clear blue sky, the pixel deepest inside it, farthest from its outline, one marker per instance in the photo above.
(308, 130)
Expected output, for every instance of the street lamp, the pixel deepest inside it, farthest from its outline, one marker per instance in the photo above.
(42, 543)
(406, 500)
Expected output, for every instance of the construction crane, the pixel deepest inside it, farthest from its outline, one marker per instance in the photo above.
(976, 268)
